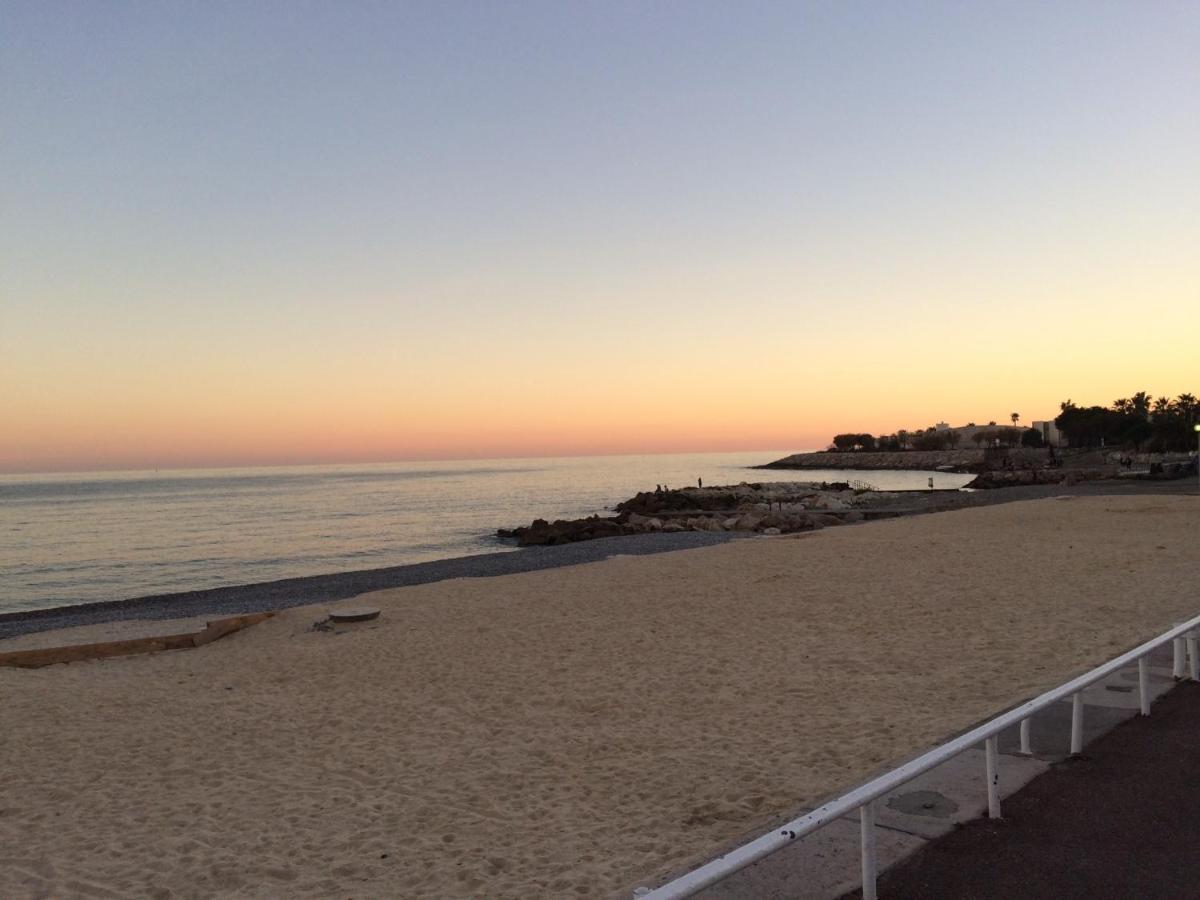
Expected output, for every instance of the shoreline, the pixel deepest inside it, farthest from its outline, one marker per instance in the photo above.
(286, 593)
(331, 587)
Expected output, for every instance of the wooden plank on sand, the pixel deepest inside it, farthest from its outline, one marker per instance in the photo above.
(218, 628)
(49, 656)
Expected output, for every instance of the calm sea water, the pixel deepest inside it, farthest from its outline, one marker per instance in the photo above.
(74, 538)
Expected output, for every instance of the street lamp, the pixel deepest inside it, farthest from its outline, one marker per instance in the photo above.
(1196, 428)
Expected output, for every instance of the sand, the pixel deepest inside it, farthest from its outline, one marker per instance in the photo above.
(569, 732)
(105, 631)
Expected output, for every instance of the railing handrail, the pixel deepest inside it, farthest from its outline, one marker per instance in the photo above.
(725, 865)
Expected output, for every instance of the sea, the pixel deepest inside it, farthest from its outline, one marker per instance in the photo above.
(82, 537)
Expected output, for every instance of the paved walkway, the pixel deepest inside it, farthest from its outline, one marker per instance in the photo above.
(948, 801)
(1123, 821)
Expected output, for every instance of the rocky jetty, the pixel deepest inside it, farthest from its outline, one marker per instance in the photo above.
(929, 460)
(1159, 469)
(1015, 477)
(976, 460)
(779, 508)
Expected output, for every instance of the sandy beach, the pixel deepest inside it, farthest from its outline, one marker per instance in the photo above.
(570, 732)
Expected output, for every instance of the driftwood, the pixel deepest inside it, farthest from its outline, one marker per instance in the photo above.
(49, 656)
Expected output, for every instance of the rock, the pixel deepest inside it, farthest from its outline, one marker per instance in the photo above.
(824, 519)
(827, 501)
(566, 531)
(757, 507)
(649, 503)
(772, 531)
(794, 523)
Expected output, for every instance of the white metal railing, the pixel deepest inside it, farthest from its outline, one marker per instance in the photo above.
(864, 796)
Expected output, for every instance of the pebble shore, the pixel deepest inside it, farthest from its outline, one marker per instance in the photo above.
(271, 595)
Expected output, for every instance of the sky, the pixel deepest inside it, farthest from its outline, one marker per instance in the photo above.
(267, 233)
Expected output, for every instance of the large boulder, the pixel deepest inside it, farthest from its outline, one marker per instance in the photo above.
(566, 531)
(649, 503)
(798, 522)
(827, 501)
(824, 519)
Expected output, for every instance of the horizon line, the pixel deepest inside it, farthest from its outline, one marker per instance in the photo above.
(379, 462)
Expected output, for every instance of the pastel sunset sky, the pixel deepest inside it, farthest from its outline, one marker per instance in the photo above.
(240, 233)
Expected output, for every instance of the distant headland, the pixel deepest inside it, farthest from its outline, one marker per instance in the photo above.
(1138, 428)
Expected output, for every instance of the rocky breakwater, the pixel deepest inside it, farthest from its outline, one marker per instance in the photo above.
(781, 508)
(1083, 466)
(960, 460)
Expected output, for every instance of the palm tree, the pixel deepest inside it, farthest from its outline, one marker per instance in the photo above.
(1014, 417)
(1140, 403)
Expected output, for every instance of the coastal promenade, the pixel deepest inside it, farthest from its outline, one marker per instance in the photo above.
(1123, 821)
(919, 824)
(575, 731)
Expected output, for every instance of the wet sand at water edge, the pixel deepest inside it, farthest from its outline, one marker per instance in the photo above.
(569, 732)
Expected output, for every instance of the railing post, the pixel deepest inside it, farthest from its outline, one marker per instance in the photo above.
(990, 748)
(1177, 665)
(866, 814)
(1193, 661)
(1144, 684)
(1026, 745)
(1076, 723)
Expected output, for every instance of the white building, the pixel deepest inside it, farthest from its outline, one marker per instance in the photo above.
(1050, 433)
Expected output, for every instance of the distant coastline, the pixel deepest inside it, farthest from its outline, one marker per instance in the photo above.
(928, 460)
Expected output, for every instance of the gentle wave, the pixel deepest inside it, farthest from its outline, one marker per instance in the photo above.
(86, 537)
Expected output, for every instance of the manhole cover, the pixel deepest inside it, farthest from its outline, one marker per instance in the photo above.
(924, 803)
(358, 614)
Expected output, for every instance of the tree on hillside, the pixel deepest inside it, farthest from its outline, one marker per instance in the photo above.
(1137, 421)
(1031, 437)
(1172, 424)
(1014, 417)
(953, 438)
(854, 442)
(930, 440)
(1137, 405)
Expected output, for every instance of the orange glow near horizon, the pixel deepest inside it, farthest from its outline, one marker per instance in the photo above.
(611, 232)
(767, 395)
